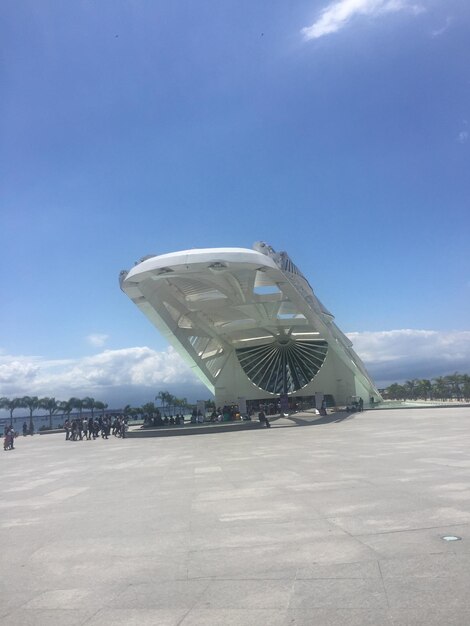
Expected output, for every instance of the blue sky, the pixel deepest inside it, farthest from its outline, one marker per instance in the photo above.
(338, 131)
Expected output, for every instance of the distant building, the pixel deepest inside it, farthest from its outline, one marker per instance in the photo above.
(249, 324)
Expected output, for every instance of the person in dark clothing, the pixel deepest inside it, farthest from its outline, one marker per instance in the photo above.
(263, 419)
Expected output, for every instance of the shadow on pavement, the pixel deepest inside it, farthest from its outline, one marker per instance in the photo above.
(295, 420)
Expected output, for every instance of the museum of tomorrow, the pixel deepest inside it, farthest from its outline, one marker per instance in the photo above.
(249, 324)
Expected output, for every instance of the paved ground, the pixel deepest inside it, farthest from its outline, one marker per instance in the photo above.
(338, 522)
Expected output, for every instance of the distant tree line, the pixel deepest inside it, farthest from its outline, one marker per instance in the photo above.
(168, 404)
(451, 387)
(52, 406)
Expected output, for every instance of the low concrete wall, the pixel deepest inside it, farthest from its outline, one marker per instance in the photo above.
(50, 432)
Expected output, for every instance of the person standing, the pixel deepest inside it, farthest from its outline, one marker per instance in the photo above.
(9, 438)
(104, 428)
(67, 429)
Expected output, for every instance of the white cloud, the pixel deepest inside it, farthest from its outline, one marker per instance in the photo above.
(14, 369)
(397, 355)
(440, 31)
(97, 340)
(103, 374)
(338, 14)
(462, 137)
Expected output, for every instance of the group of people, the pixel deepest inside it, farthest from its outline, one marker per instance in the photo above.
(9, 435)
(227, 413)
(79, 428)
(158, 420)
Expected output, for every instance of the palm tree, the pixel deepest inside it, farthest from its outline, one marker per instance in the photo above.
(101, 406)
(440, 389)
(171, 400)
(90, 404)
(11, 405)
(5, 403)
(77, 403)
(396, 392)
(466, 386)
(424, 389)
(149, 410)
(454, 381)
(164, 397)
(51, 406)
(31, 403)
(411, 386)
(65, 406)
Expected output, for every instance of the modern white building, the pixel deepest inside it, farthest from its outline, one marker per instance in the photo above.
(249, 324)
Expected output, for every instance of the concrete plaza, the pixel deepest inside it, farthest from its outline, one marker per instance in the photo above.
(320, 521)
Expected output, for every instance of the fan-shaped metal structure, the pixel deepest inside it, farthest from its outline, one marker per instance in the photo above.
(283, 366)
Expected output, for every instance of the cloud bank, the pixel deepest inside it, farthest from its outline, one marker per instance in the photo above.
(135, 375)
(398, 355)
(338, 14)
(127, 375)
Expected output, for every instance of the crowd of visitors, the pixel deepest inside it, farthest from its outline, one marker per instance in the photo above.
(79, 429)
(88, 428)
(227, 413)
(167, 420)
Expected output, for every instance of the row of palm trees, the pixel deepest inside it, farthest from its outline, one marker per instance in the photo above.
(168, 404)
(51, 405)
(454, 386)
